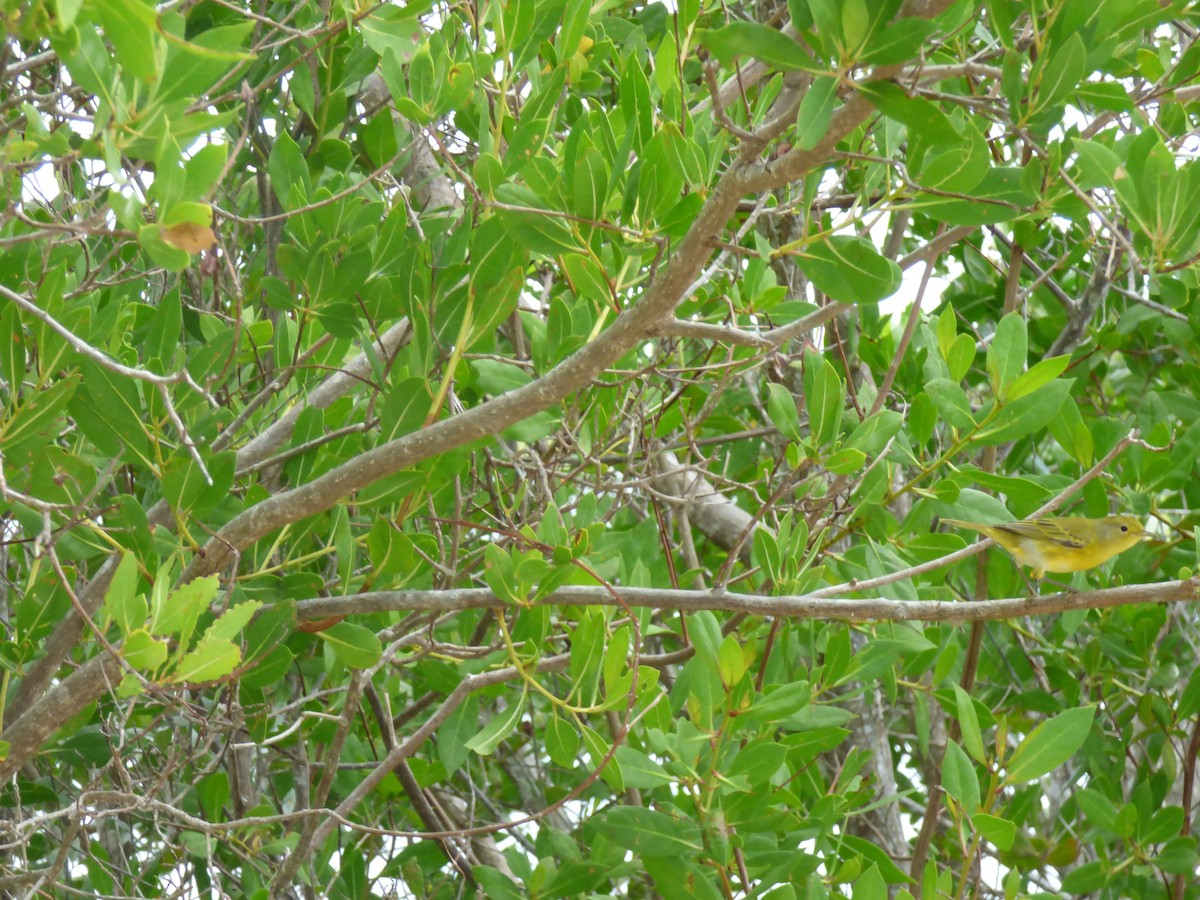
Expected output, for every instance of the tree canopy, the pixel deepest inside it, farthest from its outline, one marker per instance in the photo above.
(500, 447)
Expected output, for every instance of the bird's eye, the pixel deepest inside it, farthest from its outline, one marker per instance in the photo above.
(1124, 527)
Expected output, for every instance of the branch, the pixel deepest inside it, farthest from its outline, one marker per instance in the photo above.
(638, 323)
(715, 516)
(718, 334)
(332, 388)
(83, 686)
(800, 606)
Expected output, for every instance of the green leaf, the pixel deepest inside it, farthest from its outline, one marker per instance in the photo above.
(756, 40)
(541, 230)
(90, 65)
(500, 726)
(1001, 13)
(1050, 745)
(730, 662)
(1063, 69)
(213, 658)
(589, 187)
(598, 748)
(951, 403)
(357, 647)
(1098, 808)
(647, 832)
(959, 778)
(176, 613)
(849, 269)
(777, 705)
(533, 428)
(230, 623)
(826, 404)
(896, 43)
(845, 461)
(855, 23)
(199, 62)
(500, 573)
(1000, 832)
(921, 116)
(873, 433)
(765, 553)
(453, 734)
(826, 15)
(143, 651)
(1178, 856)
(1162, 826)
(131, 27)
(392, 28)
(1036, 377)
(1086, 878)
(162, 253)
(38, 418)
(816, 111)
(562, 742)
(961, 356)
(639, 771)
(1189, 699)
(869, 885)
(265, 634)
(182, 212)
(883, 560)
(635, 104)
(837, 655)
(185, 487)
(587, 658)
(587, 279)
(706, 636)
(781, 407)
(12, 350)
(496, 884)
(289, 172)
(163, 338)
(968, 723)
(956, 168)
(122, 601)
(890, 872)
(1098, 165)
(404, 408)
(1027, 415)
(1007, 352)
(999, 197)
(947, 330)
(758, 761)
(496, 378)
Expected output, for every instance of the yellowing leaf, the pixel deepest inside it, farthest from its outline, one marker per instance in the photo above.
(189, 237)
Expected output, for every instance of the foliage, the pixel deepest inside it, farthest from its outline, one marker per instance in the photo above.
(425, 423)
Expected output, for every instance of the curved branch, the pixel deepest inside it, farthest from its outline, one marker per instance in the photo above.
(640, 322)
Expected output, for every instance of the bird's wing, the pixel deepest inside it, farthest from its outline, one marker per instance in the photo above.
(1046, 529)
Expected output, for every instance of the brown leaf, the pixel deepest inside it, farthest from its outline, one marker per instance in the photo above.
(189, 237)
(319, 624)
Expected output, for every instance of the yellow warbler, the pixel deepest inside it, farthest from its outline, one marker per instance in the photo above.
(1067, 544)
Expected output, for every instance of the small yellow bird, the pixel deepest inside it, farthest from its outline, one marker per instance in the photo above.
(1067, 544)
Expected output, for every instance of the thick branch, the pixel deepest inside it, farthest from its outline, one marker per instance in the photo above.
(638, 323)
